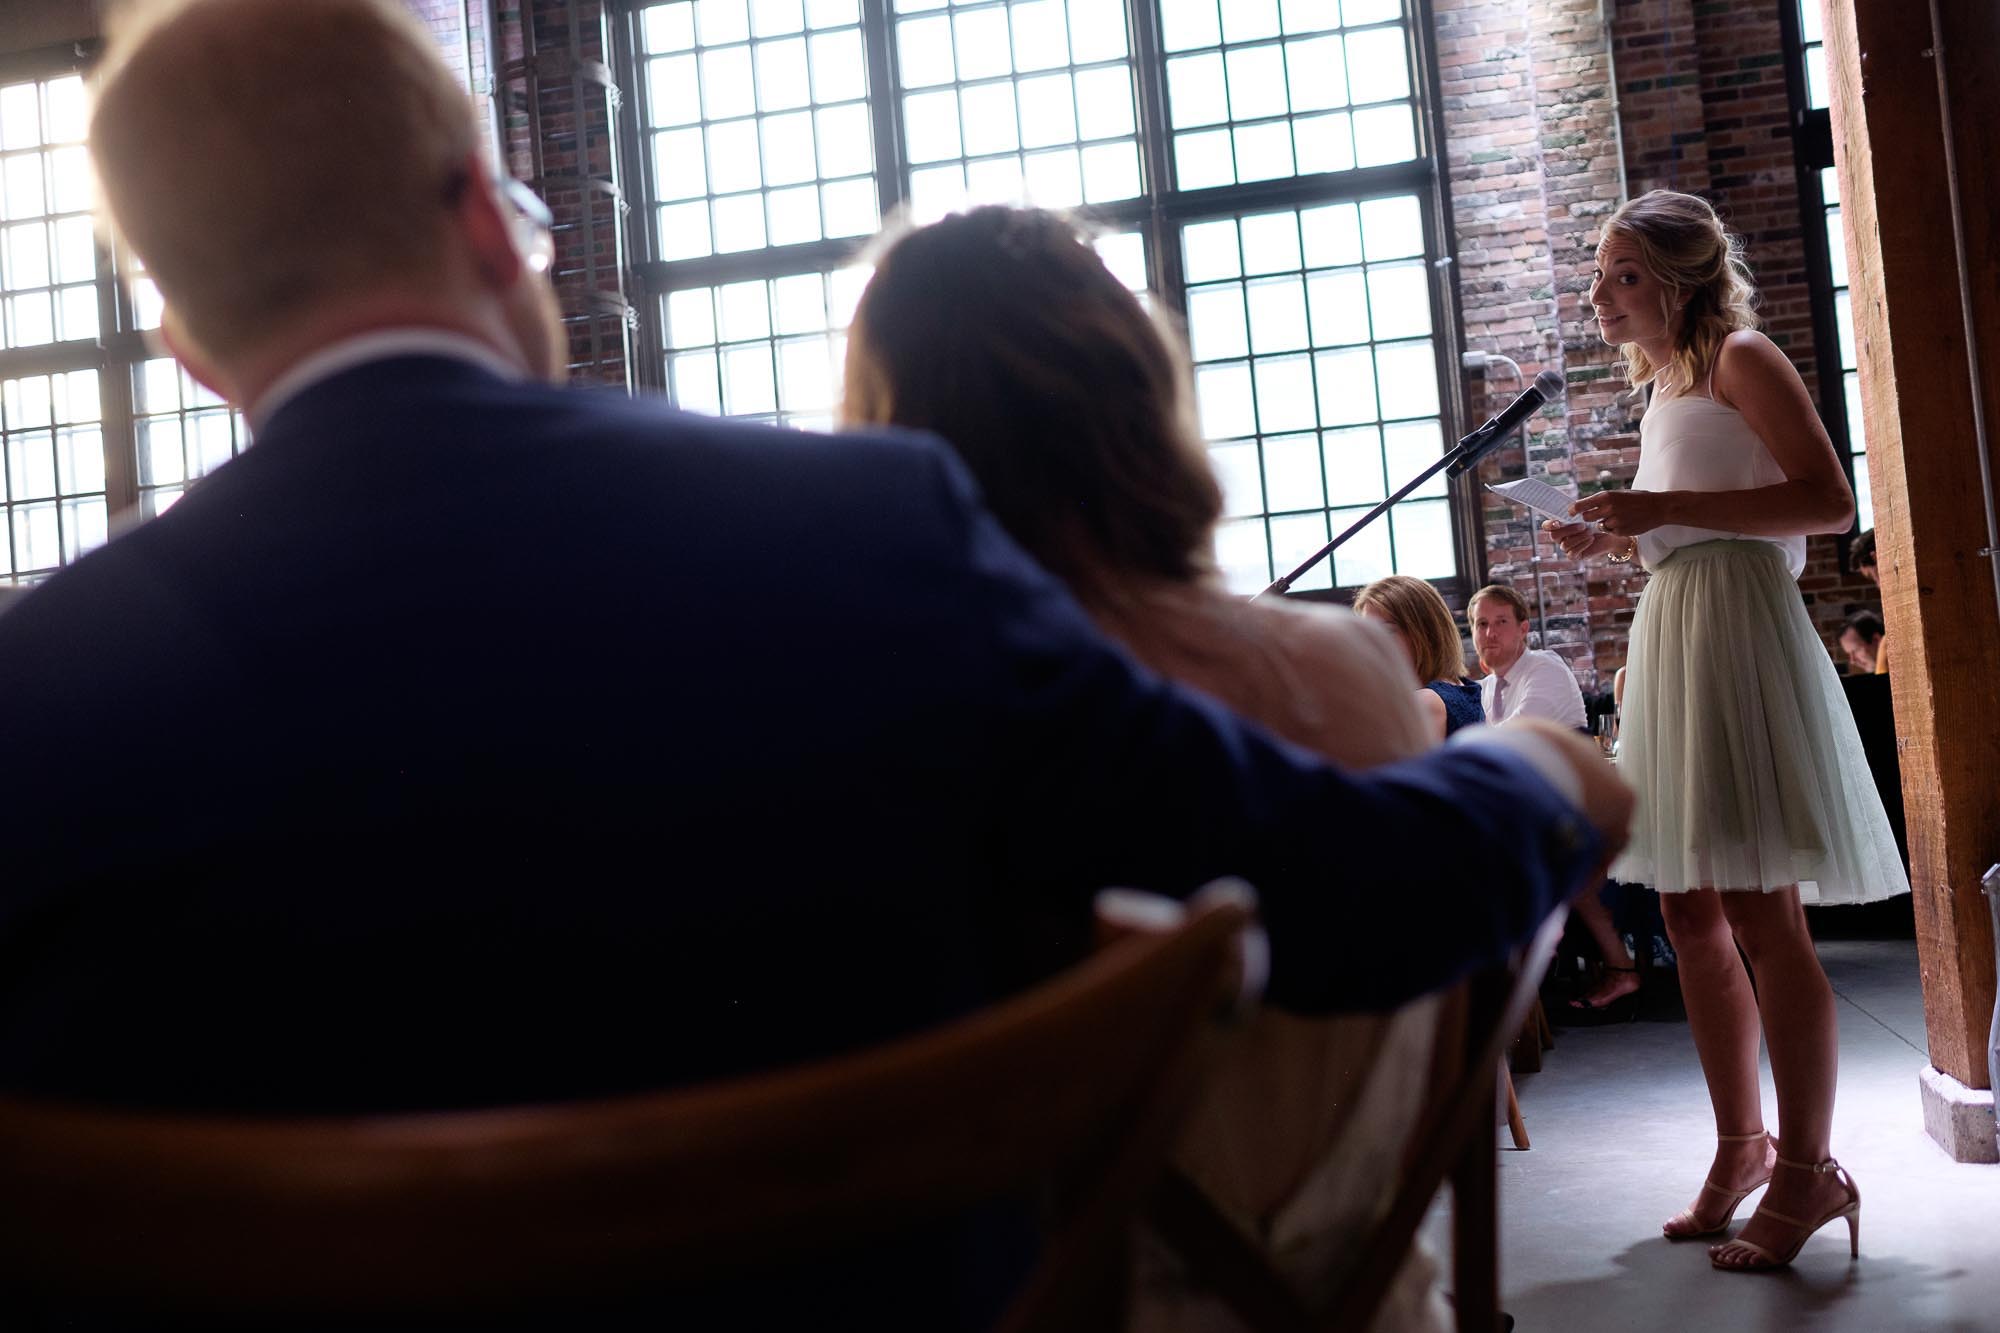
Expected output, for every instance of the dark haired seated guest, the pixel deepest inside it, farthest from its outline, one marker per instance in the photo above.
(1862, 559)
(1862, 639)
(1002, 330)
(1861, 556)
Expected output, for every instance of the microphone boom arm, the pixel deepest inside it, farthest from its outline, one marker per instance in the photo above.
(1465, 446)
(1462, 458)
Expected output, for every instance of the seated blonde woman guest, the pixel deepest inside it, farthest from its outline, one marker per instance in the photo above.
(1422, 623)
(1002, 331)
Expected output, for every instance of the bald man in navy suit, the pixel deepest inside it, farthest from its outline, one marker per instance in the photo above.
(471, 739)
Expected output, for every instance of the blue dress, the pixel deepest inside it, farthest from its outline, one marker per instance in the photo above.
(1461, 703)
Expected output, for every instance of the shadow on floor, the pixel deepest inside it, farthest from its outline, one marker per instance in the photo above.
(1660, 1285)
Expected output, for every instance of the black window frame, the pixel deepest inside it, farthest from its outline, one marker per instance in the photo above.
(118, 353)
(1156, 215)
(1812, 153)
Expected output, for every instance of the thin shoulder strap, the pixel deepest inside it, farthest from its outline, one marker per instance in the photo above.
(1711, 375)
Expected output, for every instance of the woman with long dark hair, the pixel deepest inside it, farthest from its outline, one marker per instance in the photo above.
(1002, 331)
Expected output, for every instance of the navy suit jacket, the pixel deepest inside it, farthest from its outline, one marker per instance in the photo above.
(469, 741)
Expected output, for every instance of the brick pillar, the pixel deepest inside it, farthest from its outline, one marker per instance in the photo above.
(461, 29)
(1551, 119)
(558, 125)
(1532, 152)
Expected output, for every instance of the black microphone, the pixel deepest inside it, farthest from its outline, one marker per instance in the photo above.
(1548, 385)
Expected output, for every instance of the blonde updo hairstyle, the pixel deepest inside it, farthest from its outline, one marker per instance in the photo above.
(1699, 262)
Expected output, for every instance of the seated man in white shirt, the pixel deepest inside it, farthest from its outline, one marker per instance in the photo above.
(1531, 682)
(1520, 681)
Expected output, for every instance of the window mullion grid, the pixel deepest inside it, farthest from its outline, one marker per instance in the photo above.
(721, 347)
(648, 366)
(885, 106)
(1242, 285)
(1013, 81)
(45, 163)
(1076, 114)
(1298, 191)
(812, 120)
(1159, 213)
(1375, 387)
(731, 266)
(1142, 21)
(1283, 43)
(1319, 427)
(1812, 153)
(778, 412)
(117, 311)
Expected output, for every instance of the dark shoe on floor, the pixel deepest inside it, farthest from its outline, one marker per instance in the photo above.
(1588, 1011)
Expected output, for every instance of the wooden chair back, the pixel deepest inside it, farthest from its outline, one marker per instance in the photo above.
(1454, 1139)
(1081, 1080)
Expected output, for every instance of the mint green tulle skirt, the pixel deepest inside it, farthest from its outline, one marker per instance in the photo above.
(1738, 739)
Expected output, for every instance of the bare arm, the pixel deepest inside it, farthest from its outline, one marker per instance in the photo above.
(1432, 708)
(1753, 376)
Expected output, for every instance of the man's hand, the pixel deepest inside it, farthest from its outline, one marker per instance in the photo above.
(1607, 800)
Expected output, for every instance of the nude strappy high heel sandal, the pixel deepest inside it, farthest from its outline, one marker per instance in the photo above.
(1762, 1260)
(1687, 1218)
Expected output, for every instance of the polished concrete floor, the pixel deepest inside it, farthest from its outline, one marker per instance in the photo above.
(1620, 1128)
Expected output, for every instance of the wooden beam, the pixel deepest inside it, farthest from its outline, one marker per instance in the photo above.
(32, 24)
(1916, 401)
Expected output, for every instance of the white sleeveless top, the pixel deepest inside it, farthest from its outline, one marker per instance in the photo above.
(1693, 443)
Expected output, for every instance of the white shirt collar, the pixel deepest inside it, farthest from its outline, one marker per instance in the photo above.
(378, 345)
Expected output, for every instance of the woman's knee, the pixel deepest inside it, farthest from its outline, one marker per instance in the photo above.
(1768, 924)
(1695, 921)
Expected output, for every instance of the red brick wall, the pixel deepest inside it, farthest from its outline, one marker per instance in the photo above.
(461, 28)
(556, 123)
(1550, 113)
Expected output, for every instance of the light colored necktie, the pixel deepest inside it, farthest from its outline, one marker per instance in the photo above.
(1499, 689)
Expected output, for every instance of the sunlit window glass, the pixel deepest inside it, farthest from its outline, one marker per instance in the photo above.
(1850, 379)
(1317, 369)
(48, 259)
(1812, 42)
(52, 433)
(1261, 90)
(1316, 378)
(757, 125)
(184, 432)
(1017, 101)
(766, 349)
(1813, 39)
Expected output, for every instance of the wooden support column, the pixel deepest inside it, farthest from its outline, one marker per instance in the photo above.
(1916, 398)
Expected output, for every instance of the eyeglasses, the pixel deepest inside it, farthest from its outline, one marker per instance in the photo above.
(537, 236)
(534, 229)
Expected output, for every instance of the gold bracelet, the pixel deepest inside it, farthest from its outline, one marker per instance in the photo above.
(1626, 558)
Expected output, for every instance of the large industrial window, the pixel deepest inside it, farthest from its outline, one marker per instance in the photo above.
(1262, 166)
(93, 427)
(1826, 247)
